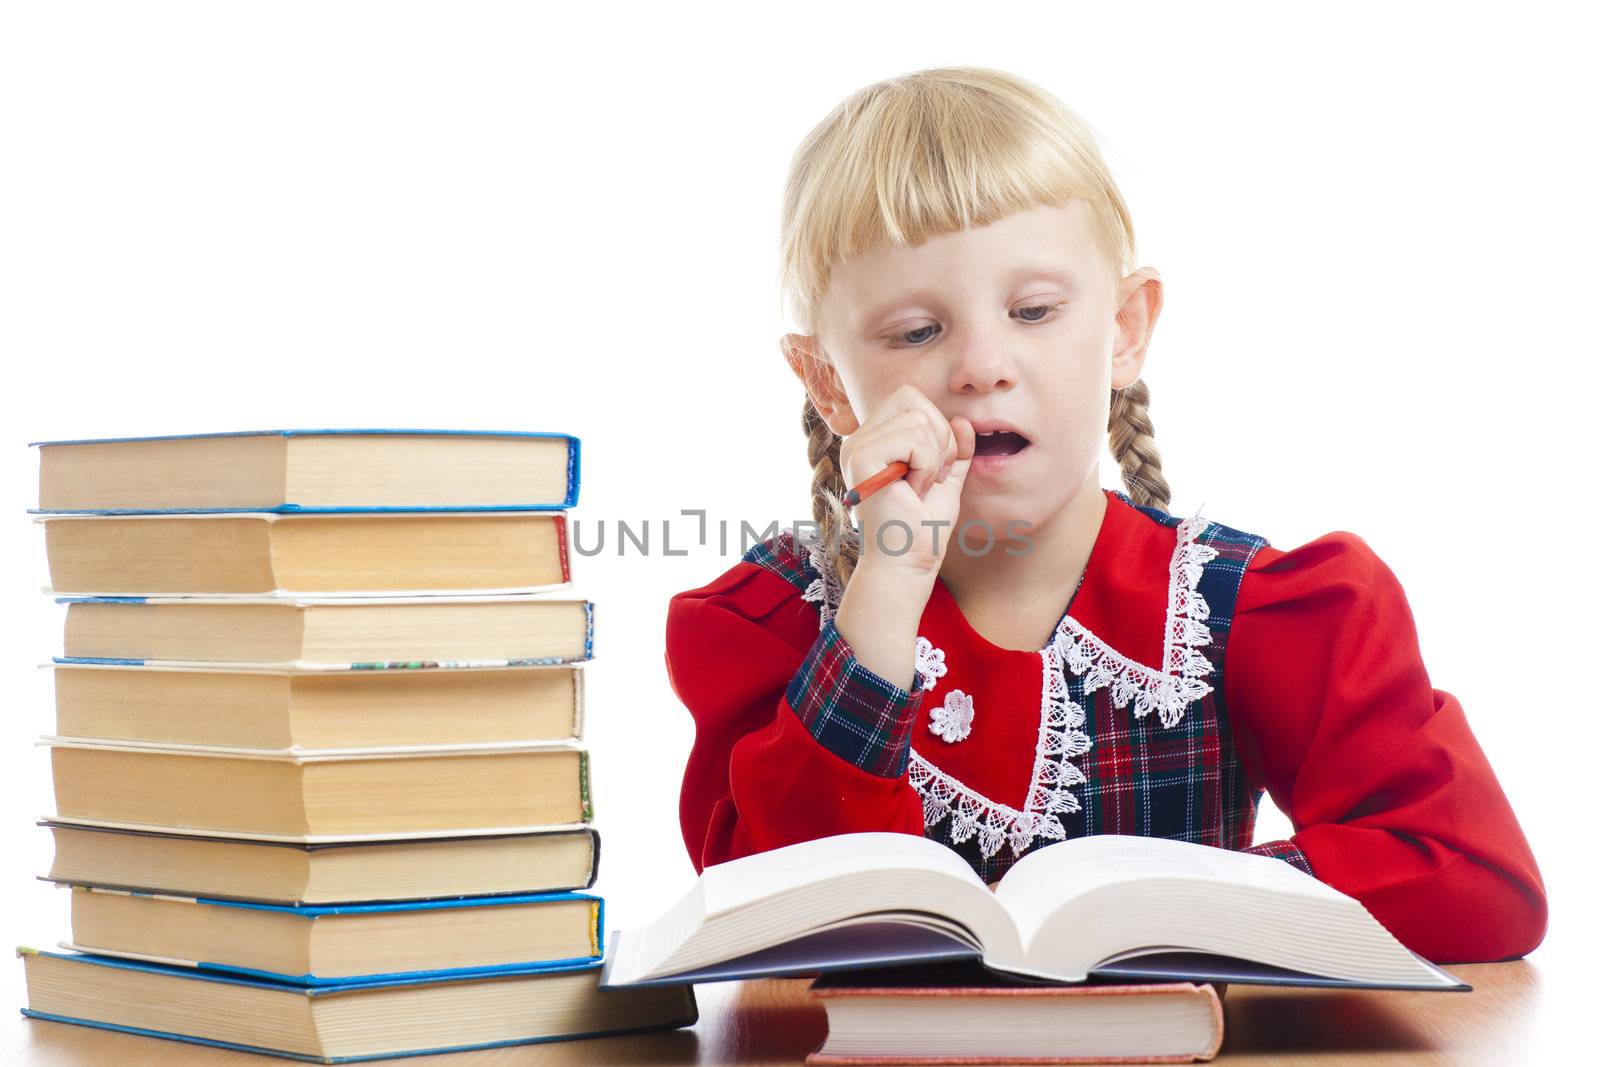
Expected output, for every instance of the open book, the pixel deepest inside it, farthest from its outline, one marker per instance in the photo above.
(1108, 905)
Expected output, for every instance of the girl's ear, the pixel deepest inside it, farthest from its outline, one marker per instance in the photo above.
(1139, 304)
(821, 380)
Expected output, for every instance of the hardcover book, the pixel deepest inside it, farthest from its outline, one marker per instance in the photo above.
(319, 796)
(321, 944)
(347, 1022)
(267, 553)
(332, 872)
(961, 1013)
(311, 470)
(282, 708)
(329, 633)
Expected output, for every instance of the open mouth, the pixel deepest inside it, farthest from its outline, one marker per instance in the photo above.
(1000, 443)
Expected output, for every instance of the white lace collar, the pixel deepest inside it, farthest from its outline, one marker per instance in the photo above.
(1168, 690)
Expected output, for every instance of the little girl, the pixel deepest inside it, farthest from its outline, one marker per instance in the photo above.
(1005, 654)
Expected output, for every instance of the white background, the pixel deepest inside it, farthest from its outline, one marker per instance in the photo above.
(1376, 225)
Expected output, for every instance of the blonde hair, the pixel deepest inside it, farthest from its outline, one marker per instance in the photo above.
(932, 152)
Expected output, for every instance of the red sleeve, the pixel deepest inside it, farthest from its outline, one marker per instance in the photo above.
(1392, 800)
(794, 739)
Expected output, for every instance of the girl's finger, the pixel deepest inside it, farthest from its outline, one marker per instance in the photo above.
(925, 463)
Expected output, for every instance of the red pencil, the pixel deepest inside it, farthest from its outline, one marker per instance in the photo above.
(893, 472)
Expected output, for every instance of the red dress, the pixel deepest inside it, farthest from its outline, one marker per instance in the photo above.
(1194, 667)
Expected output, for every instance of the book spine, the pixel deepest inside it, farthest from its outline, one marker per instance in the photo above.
(573, 472)
(594, 858)
(561, 544)
(578, 699)
(583, 785)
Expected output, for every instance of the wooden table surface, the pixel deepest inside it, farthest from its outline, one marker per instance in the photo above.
(1508, 1017)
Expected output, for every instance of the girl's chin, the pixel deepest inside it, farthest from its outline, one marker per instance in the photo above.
(984, 519)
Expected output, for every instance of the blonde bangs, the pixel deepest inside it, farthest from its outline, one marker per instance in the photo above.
(934, 152)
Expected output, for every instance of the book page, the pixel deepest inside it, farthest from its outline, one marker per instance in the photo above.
(749, 879)
(761, 901)
(1047, 878)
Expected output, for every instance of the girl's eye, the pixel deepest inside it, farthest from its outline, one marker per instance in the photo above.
(1043, 309)
(919, 335)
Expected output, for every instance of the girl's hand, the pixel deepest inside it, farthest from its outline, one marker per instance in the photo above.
(908, 426)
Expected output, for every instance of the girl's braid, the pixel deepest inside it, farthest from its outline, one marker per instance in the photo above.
(1133, 445)
(834, 527)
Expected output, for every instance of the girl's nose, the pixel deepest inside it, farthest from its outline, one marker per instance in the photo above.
(983, 363)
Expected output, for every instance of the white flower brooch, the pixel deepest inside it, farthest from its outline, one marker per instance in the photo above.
(953, 721)
(930, 661)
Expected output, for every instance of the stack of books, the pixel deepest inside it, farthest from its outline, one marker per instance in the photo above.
(321, 787)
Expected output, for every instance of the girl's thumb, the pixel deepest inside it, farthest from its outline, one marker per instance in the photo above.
(946, 494)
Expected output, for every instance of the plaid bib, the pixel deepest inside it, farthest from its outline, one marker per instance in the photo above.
(1015, 750)
(1135, 774)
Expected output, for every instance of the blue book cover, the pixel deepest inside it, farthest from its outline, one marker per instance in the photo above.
(639, 1017)
(313, 912)
(565, 501)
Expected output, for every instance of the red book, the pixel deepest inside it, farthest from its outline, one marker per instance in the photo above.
(963, 1013)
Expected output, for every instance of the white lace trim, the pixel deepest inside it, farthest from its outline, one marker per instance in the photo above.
(1182, 681)
(973, 813)
(824, 589)
(1061, 735)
